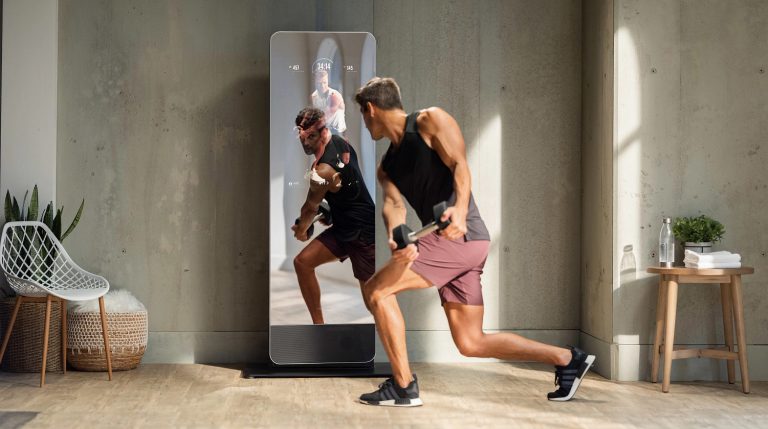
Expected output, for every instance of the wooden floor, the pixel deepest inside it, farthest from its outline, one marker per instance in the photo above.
(472, 396)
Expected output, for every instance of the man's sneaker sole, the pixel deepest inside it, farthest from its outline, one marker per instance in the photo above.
(577, 382)
(402, 402)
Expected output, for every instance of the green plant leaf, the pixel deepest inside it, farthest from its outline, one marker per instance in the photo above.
(23, 206)
(57, 223)
(15, 212)
(33, 205)
(698, 229)
(47, 217)
(75, 221)
(8, 206)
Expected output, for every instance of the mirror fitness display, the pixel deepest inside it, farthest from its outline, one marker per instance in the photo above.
(322, 191)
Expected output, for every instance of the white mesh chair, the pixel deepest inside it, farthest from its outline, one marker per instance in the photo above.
(38, 269)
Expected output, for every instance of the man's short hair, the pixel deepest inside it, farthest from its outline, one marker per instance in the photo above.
(320, 74)
(308, 117)
(382, 92)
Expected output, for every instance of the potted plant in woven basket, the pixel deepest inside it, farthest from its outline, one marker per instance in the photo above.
(128, 327)
(26, 343)
(698, 233)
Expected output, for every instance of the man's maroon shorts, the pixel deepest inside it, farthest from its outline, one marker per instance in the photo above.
(453, 266)
(361, 254)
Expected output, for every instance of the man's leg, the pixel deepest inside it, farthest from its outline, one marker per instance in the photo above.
(466, 321)
(380, 298)
(466, 324)
(312, 256)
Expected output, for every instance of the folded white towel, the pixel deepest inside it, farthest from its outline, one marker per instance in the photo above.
(689, 264)
(721, 256)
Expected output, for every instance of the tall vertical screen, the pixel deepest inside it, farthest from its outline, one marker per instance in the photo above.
(321, 71)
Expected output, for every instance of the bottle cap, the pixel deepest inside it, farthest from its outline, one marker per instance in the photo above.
(667, 220)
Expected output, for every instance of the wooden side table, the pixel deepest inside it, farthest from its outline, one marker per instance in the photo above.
(733, 314)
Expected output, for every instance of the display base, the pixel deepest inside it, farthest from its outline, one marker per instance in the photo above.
(268, 370)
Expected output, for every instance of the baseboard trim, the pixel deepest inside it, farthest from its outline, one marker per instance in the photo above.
(438, 346)
(602, 350)
(622, 362)
(633, 363)
(207, 347)
(239, 347)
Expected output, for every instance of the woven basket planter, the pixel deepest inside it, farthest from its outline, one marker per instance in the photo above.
(25, 348)
(85, 343)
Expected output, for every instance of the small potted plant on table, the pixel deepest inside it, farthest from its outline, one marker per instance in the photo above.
(698, 233)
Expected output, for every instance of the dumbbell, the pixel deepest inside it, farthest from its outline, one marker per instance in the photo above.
(324, 213)
(404, 236)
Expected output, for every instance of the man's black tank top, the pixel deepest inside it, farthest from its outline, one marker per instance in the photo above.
(352, 208)
(424, 180)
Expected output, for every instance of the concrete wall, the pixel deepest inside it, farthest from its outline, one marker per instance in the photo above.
(28, 108)
(163, 128)
(692, 95)
(509, 72)
(597, 172)
(163, 118)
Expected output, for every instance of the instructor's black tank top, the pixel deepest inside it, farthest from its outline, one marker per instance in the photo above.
(424, 180)
(352, 208)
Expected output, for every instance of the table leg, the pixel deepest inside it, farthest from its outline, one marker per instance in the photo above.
(661, 302)
(741, 337)
(725, 297)
(669, 334)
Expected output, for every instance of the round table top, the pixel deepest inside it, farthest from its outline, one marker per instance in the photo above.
(701, 271)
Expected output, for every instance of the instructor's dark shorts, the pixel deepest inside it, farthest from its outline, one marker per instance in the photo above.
(454, 266)
(361, 254)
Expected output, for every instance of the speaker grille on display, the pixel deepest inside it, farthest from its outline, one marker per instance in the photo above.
(348, 344)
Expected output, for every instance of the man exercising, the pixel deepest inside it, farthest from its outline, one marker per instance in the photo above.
(331, 102)
(335, 176)
(426, 164)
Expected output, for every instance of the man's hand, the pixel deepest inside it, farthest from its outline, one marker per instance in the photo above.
(299, 235)
(335, 183)
(458, 226)
(404, 256)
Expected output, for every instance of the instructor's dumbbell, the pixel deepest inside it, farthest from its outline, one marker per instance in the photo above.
(403, 236)
(324, 213)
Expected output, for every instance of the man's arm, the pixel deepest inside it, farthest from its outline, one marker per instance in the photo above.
(443, 134)
(317, 191)
(335, 103)
(393, 210)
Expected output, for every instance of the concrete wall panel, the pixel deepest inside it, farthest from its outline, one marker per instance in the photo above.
(163, 117)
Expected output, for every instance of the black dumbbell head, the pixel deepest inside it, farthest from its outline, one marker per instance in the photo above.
(310, 230)
(401, 236)
(325, 210)
(437, 213)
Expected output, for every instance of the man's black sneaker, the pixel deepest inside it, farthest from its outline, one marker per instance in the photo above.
(392, 395)
(569, 377)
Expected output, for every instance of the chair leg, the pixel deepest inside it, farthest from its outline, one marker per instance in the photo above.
(741, 337)
(106, 336)
(64, 335)
(661, 303)
(725, 297)
(669, 335)
(19, 300)
(45, 338)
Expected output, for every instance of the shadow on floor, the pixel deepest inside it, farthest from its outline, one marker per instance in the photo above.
(15, 419)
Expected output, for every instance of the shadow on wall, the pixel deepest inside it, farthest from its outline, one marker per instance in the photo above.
(239, 150)
(632, 299)
(647, 143)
